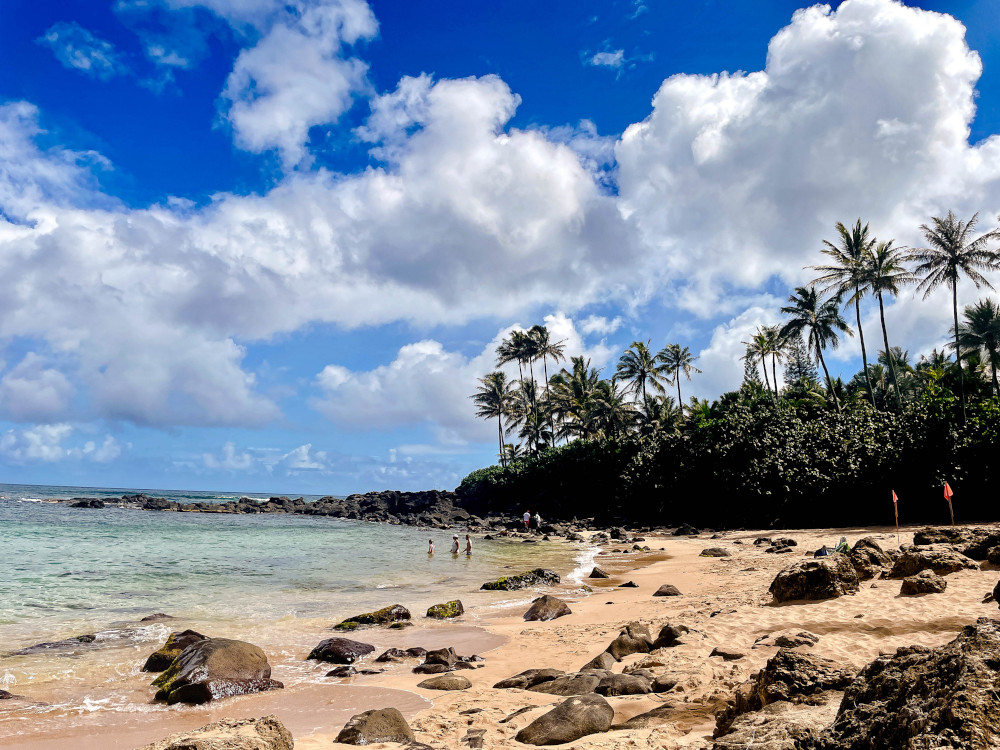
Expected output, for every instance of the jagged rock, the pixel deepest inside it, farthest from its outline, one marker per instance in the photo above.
(634, 639)
(668, 635)
(815, 579)
(266, 733)
(868, 558)
(538, 576)
(446, 682)
(667, 589)
(974, 543)
(787, 676)
(686, 529)
(176, 642)
(788, 640)
(778, 726)
(597, 573)
(604, 660)
(340, 650)
(447, 610)
(572, 719)
(727, 654)
(547, 608)
(629, 585)
(529, 678)
(87, 503)
(924, 582)
(623, 684)
(941, 560)
(570, 684)
(384, 616)
(446, 656)
(715, 552)
(215, 668)
(393, 655)
(946, 697)
(381, 725)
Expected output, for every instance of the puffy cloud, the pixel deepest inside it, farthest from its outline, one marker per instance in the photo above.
(229, 460)
(721, 362)
(46, 444)
(78, 49)
(32, 392)
(608, 59)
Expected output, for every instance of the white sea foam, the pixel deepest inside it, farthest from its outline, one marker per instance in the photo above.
(584, 564)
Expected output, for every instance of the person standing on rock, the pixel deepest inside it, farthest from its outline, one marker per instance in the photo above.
(468, 545)
(538, 521)
(430, 546)
(527, 519)
(454, 544)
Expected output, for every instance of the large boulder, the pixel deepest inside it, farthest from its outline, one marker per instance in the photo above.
(715, 552)
(942, 560)
(529, 678)
(384, 616)
(974, 543)
(580, 683)
(446, 682)
(547, 608)
(572, 719)
(667, 589)
(623, 684)
(924, 582)
(668, 635)
(266, 733)
(946, 697)
(215, 668)
(447, 610)
(787, 676)
(667, 713)
(815, 579)
(777, 726)
(604, 661)
(634, 639)
(536, 577)
(868, 558)
(380, 725)
(176, 642)
(445, 656)
(340, 650)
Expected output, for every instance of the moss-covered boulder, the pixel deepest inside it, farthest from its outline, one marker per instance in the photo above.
(384, 616)
(447, 610)
(536, 577)
(176, 643)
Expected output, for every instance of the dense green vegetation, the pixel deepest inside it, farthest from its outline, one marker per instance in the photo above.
(807, 452)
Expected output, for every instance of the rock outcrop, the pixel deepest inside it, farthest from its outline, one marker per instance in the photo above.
(868, 558)
(924, 582)
(580, 683)
(529, 678)
(215, 668)
(380, 725)
(266, 733)
(815, 579)
(974, 543)
(385, 616)
(635, 638)
(547, 608)
(942, 560)
(447, 610)
(536, 577)
(572, 719)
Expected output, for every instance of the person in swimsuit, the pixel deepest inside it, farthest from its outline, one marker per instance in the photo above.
(454, 544)
(468, 544)
(430, 546)
(527, 519)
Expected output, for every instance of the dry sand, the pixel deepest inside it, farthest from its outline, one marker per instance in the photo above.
(724, 602)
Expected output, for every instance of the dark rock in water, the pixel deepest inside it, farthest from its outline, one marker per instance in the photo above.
(686, 529)
(570, 720)
(344, 671)
(431, 669)
(667, 589)
(529, 678)
(392, 654)
(946, 697)
(384, 616)
(941, 560)
(715, 552)
(87, 503)
(623, 684)
(340, 650)
(868, 558)
(547, 608)
(597, 573)
(815, 579)
(570, 684)
(446, 656)
(68, 646)
(176, 643)
(447, 610)
(538, 576)
(634, 639)
(446, 682)
(215, 668)
(266, 733)
(157, 617)
(400, 625)
(668, 635)
(657, 717)
(788, 640)
(727, 654)
(381, 725)
(924, 582)
(603, 660)
(629, 585)
(417, 652)
(787, 676)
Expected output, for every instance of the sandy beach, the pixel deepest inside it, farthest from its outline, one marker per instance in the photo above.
(724, 602)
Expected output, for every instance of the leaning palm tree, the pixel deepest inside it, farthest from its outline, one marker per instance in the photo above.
(980, 332)
(638, 366)
(494, 398)
(678, 360)
(546, 349)
(847, 275)
(757, 348)
(885, 272)
(951, 253)
(819, 320)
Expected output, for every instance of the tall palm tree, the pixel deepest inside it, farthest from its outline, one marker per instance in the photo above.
(757, 348)
(980, 331)
(885, 272)
(638, 365)
(547, 349)
(609, 413)
(494, 398)
(659, 414)
(847, 275)
(776, 345)
(519, 347)
(678, 360)
(950, 253)
(819, 320)
(572, 394)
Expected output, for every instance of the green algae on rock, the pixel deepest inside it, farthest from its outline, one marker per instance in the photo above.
(447, 610)
(523, 581)
(384, 616)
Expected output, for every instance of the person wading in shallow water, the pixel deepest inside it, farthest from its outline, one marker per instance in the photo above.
(454, 544)
(527, 519)
(468, 545)
(430, 546)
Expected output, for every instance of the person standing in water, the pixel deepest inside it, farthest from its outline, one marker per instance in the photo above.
(468, 545)
(430, 546)
(527, 519)
(454, 544)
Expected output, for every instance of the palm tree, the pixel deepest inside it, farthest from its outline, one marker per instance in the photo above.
(572, 394)
(950, 254)
(757, 348)
(885, 272)
(608, 412)
(526, 418)
(678, 360)
(847, 275)
(494, 398)
(519, 347)
(638, 365)
(659, 414)
(980, 332)
(547, 349)
(819, 321)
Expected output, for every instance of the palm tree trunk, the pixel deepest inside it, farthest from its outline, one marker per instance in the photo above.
(763, 364)
(503, 459)
(888, 353)
(677, 376)
(958, 352)
(864, 352)
(548, 400)
(829, 381)
(774, 373)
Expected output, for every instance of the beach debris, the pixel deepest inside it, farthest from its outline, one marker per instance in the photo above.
(623, 684)
(686, 529)
(924, 582)
(385, 616)
(474, 738)
(868, 558)
(265, 733)
(580, 683)
(176, 643)
(654, 718)
(787, 676)
(815, 579)
(340, 650)
(572, 719)
(629, 585)
(215, 668)
(379, 725)
(727, 654)
(715, 552)
(529, 678)
(635, 638)
(668, 635)
(603, 660)
(942, 560)
(667, 589)
(777, 726)
(597, 573)
(447, 610)
(925, 697)
(547, 608)
(534, 577)
(788, 639)
(448, 681)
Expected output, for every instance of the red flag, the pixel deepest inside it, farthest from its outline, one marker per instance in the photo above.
(947, 491)
(894, 498)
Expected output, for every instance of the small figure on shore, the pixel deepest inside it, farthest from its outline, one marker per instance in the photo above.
(468, 545)
(527, 519)
(430, 546)
(538, 521)
(454, 544)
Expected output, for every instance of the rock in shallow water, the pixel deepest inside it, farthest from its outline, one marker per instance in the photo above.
(215, 668)
(384, 616)
(538, 576)
(447, 610)
(340, 650)
(176, 643)
(266, 733)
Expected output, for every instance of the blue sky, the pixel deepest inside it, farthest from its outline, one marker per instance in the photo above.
(269, 246)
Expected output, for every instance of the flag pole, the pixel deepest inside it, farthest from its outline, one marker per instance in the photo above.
(947, 496)
(895, 507)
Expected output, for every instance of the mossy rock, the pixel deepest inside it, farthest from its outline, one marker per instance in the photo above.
(176, 643)
(384, 616)
(538, 576)
(447, 610)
